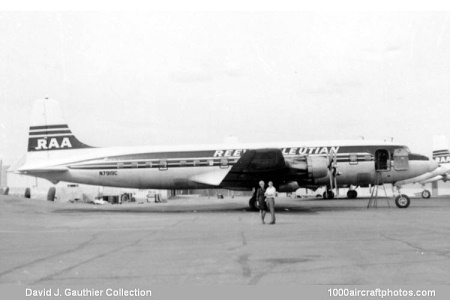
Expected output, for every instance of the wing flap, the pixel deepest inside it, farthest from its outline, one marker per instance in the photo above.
(213, 178)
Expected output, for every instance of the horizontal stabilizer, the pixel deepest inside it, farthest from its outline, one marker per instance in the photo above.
(43, 170)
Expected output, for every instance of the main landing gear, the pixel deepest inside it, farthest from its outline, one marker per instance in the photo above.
(352, 194)
(329, 194)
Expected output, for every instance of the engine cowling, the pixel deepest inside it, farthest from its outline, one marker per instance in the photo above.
(308, 168)
(288, 187)
(317, 167)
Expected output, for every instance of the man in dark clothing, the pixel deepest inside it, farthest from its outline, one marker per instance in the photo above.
(261, 200)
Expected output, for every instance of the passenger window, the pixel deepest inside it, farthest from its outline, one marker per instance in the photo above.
(224, 163)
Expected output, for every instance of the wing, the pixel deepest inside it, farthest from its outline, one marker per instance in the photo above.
(255, 165)
(270, 164)
(250, 166)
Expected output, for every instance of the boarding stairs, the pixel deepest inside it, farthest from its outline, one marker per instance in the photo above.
(373, 201)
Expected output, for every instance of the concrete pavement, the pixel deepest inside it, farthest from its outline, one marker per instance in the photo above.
(220, 242)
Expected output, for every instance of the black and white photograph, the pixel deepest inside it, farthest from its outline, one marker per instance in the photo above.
(243, 150)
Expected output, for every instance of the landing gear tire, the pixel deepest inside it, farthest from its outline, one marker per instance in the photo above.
(328, 195)
(352, 194)
(124, 198)
(426, 194)
(402, 201)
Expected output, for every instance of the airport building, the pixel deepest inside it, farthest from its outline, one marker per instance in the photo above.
(3, 177)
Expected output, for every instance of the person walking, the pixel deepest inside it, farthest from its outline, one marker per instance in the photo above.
(270, 200)
(261, 200)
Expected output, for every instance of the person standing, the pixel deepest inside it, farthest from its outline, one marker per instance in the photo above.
(270, 200)
(261, 200)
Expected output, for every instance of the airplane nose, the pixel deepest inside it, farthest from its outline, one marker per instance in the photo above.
(432, 165)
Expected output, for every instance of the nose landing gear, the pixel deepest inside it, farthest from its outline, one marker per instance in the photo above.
(402, 201)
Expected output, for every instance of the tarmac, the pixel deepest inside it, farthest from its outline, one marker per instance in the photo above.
(201, 241)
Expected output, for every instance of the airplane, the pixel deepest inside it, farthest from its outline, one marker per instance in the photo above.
(441, 155)
(54, 153)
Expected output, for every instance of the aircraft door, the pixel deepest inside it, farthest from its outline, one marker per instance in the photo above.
(382, 162)
(401, 160)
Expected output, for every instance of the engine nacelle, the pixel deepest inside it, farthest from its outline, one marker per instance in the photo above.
(308, 168)
(317, 167)
(288, 187)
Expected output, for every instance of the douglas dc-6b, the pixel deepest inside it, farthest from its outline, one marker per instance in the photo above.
(56, 154)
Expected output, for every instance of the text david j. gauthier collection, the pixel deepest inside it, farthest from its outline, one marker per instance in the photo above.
(68, 292)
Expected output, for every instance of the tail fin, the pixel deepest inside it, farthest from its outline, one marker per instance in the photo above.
(49, 131)
(441, 154)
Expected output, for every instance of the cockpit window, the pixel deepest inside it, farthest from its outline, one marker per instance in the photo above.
(401, 161)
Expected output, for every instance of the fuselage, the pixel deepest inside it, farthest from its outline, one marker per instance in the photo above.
(212, 166)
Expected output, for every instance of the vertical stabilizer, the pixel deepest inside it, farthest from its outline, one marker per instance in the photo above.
(49, 130)
(441, 154)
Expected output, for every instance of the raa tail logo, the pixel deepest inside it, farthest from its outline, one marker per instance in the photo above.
(52, 143)
(442, 159)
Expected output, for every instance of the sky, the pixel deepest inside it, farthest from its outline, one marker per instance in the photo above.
(133, 78)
